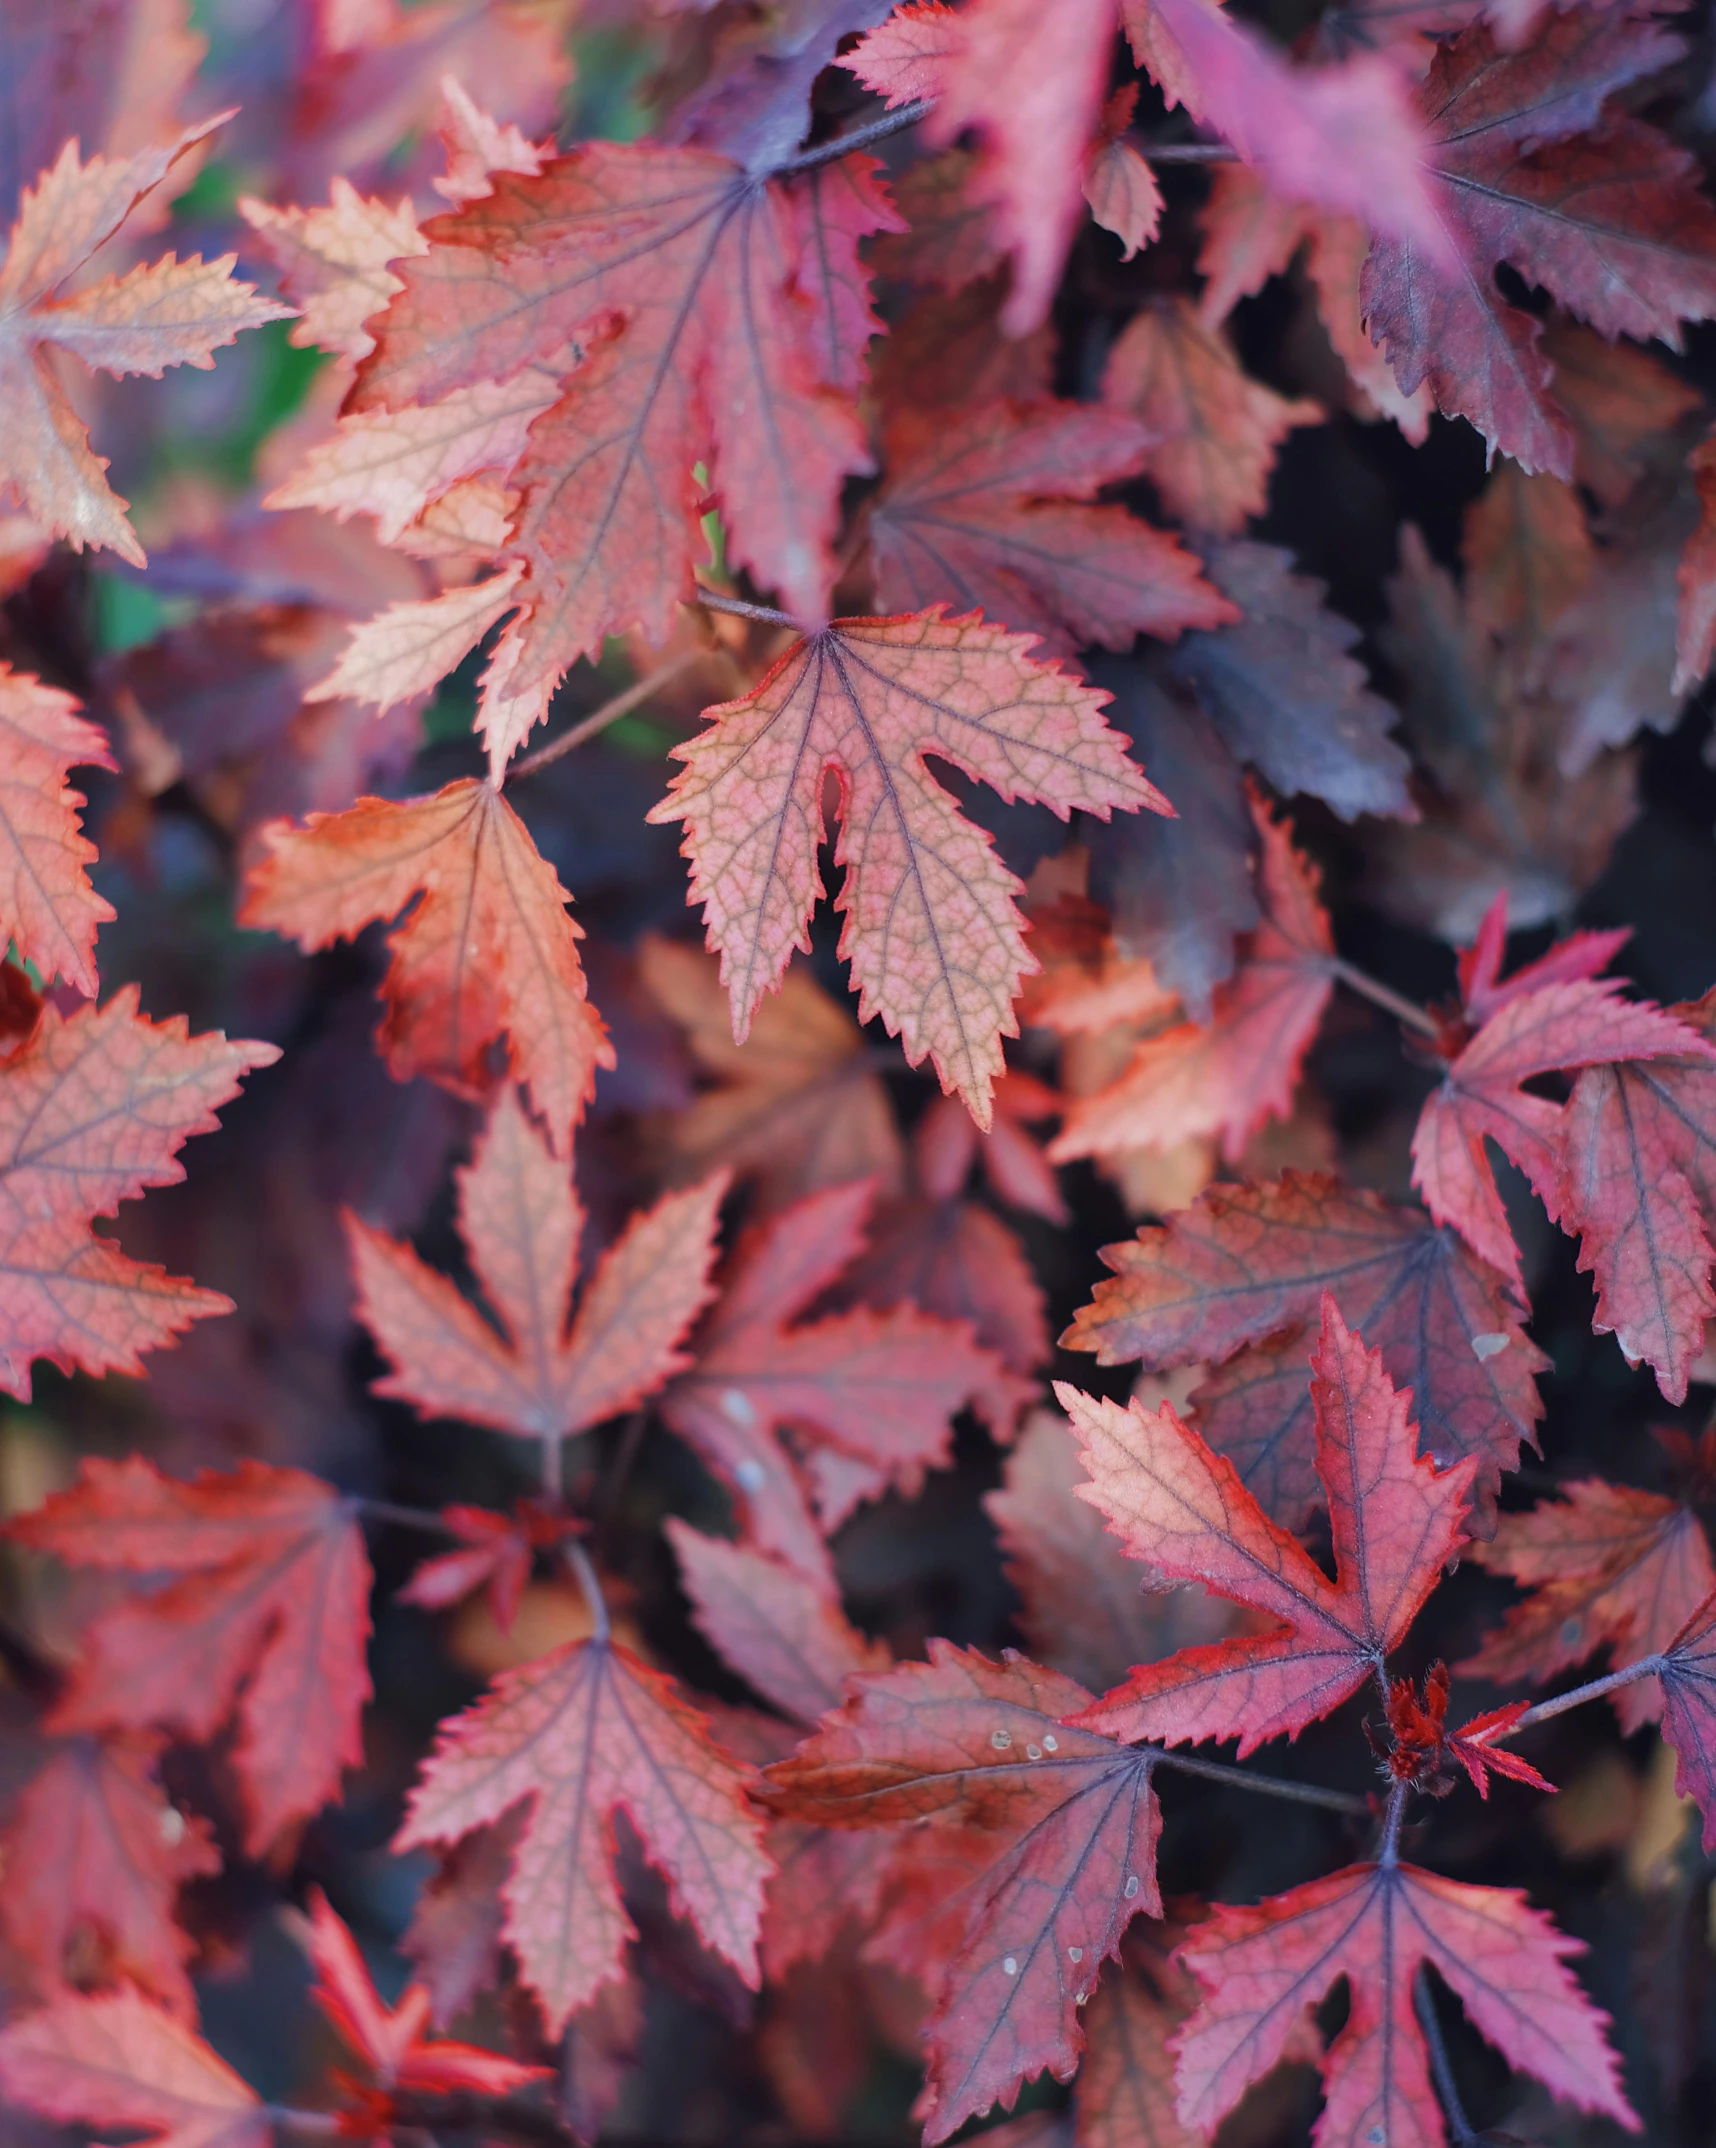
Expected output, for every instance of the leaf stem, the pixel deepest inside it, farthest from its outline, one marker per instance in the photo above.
(1184, 152)
(715, 602)
(1460, 2130)
(1373, 989)
(424, 1518)
(1218, 1771)
(1388, 1851)
(324, 2124)
(610, 712)
(553, 1468)
(578, 1559)
(1646, 1667)
(878, 130)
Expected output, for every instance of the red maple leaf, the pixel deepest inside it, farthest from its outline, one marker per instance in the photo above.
(1261, 1968)
(1240, 1273)
(93, 1109)
(694, 313)
(1228, 1076)
(120, 2061)
(1638, 1184)
(875, 1390)
(48, 909)
(1118, 183)
(94, 1851)
(992, 510)
(1215, 429)
(542, 1375)
(1611, 224)
(1422, 1744)
(934, 937)
(495, 1551)
(390, 2039)
(1605, 1566)
(487, 948)
(164, 313)
(1084, 1611)
(773, 1625)
(1031, 83)
(269, 1609)
(1046, 1834)
(1568, 1019)
(1179, 1507)
(575, 1737)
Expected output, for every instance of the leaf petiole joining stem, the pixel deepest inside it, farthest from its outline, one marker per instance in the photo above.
(714, 601)
(1218, 1771)
(610, 712)
(878, 130)
(578, 1559)
(1384, 996)
(1646, 1667)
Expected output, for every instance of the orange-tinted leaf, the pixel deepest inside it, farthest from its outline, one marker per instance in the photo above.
(167, 313)
(992, 511)
(1638, 1183)
(1605, 1566)
(583, 1733)
(1118, 184)
(537, 1377)
(1229, 1077)
(92, 1110)
(772, 1625)
(1261, 1968)
(333, 262)
(1055, 1830)
(1216, 429)
(1030, 83)
(1481, 1097)
(683, 282)
(269, 1608)
(122, 2062)
(1181, 1509)
(1246, 1263)
(1612, 224)
(390, 2039)
(48, 909)
(935, 940)
(487, 948)
(880, 1389)
(407, 649)
(94, 1850)
(797, 1106)
(1087, 1608)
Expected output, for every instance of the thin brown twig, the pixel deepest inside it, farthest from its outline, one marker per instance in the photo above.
(1216, 1771)
(610, 712)
(1646, 1667)
(1184, 152)
(714, 601)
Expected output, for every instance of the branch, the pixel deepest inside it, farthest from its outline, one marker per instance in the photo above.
(578, 1559)
(715, 602)
(1184, 152)
(878, 130)
(1373, 989)
(424, 1518)
(1388, 1850)
(1453, 2110)
(610, 712)
(1218, 1771)
(1646, 1667)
